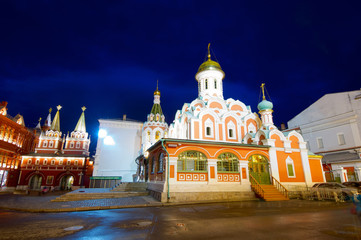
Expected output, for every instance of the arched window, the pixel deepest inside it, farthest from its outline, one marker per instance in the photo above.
(192, 161)
(227, 162)
(160, 162)
(206, 83)
(215, 84)
(153, 165)
(157, 135)
(209, 127)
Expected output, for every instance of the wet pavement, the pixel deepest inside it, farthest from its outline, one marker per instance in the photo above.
(295, 219)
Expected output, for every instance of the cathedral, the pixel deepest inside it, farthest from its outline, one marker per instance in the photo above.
(218, 148)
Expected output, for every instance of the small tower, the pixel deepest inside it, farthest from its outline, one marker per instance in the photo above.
(210, 76)
(50, 141)
(265, 109)
(155, 127)
(47, 123)
(78, 142)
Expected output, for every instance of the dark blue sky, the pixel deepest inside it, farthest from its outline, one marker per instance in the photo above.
(107, 55)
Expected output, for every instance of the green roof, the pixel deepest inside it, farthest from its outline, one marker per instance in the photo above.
(156, 109)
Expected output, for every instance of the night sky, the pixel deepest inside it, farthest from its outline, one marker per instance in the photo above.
(108, 55)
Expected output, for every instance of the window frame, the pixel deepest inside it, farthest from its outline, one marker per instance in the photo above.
(199, 162)
(290, 162)
(227, 160)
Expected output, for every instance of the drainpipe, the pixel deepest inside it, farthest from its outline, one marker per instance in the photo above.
(168, 195)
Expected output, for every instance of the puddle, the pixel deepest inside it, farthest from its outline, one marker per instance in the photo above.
(73, 228)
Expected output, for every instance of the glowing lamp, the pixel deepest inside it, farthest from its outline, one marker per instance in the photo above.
(108, 140)
(102, 133)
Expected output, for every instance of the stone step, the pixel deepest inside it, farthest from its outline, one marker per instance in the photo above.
(88, 196)
(138, 186)
(271, 193)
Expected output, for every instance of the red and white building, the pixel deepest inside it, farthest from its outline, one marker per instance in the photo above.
(15, 140)
(58, 162)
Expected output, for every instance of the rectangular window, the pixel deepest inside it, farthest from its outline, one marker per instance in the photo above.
(206, 83)
(45, 162)
(215, 84)
(341, 139)
(76, 162)
(51, 144)
(45, 144)
(208, 131)
(61, 162)
(320, 142)
(29, 161)
(37, 162)
(49, 180)
(290, 170)
(230, 133)
(52, 162)
(68, 163)
(78, 145)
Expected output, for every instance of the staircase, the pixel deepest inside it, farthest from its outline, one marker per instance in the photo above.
(130, 187)
(269, 192)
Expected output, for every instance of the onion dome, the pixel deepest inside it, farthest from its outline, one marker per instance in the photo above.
(265, 105)
(210, 64)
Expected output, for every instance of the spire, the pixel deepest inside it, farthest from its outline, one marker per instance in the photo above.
(80, 126)
(209, 52)
(157, 92)
(156, 109)
(56, 123)
(39, 125)
(47, 122)
(262, 86)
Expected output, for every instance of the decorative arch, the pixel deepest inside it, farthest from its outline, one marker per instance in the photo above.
(278, 137)
(295, 139)
(29, 175)
(192, 148)
(60, 175)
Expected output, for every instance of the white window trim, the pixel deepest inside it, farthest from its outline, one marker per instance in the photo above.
(71, 144)
(251, 128)
(52, 162)
(45, 144)
(338, 139)
(51, 144)
(76, 162)
(37, 162)
(45, 162)
(68, 162)
(30, 161)
(231, 126)
(208, 123)
(320, 140)
(290, 161)
(77, 145)
(61, 162)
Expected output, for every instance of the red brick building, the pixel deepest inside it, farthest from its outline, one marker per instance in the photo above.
(58, 162)
(15, 140)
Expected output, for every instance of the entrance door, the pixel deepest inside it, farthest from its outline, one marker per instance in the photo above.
(259, 169)
(35, 182)
(66, 182)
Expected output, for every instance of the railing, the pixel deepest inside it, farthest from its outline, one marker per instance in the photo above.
(256, 187)
(280, 187)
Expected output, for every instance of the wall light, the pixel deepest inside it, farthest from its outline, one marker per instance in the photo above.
(102, 133)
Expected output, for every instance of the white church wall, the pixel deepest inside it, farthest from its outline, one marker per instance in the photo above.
(117, 149)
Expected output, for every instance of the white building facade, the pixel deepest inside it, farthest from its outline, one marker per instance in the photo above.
(119, 144)
(331, 127)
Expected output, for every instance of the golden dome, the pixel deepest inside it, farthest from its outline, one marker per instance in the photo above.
(209, 64)
(157, 92)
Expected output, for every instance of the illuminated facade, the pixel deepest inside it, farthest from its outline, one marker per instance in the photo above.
(58, 162)
(15, 140)
(119, 144)
(219, 149)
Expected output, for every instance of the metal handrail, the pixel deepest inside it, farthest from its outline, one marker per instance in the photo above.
(280, 187)
(256, 186)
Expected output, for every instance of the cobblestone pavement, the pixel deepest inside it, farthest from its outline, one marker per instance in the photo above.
(43, 203)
